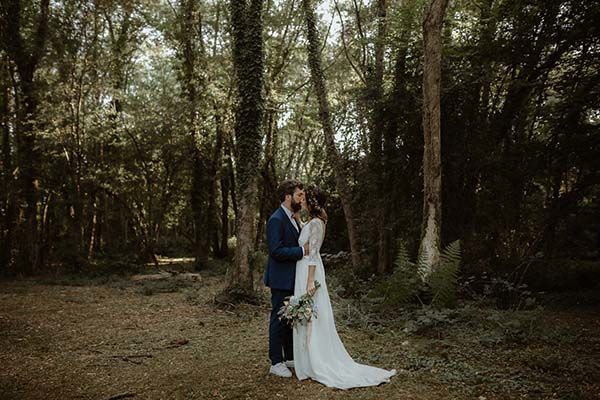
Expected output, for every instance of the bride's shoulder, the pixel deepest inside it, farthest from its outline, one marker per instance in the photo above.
(316, 221)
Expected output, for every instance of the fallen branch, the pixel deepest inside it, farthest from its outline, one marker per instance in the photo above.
(151, 277)
(177, 343)
(132, 358)
(166, 274)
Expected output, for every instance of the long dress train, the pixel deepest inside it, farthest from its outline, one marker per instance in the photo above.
(319, 353)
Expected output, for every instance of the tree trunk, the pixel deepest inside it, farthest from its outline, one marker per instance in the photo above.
(226, 176)
(202, 185)
(7, 201)
(94, 226)
(26, 56)
(231, 173)
(429, 250)
(268, 197)
(314, 59)
(224, 248)
(379, 157)
(215, 173)
(248, 59)
(199, 205)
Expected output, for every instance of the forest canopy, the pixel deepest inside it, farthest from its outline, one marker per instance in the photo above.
(134, 129)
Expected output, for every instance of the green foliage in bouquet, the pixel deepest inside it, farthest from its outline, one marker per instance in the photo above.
(299, 310)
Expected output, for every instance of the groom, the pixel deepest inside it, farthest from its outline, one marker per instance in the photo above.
(282, 240)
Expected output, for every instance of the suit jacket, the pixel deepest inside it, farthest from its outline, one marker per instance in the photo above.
(282, 240)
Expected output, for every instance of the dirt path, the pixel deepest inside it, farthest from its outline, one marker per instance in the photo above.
(131, 340)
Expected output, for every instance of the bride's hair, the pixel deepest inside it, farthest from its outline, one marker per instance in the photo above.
(316, 200)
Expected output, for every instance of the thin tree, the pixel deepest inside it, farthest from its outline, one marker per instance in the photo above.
(191, 55)
(316, 71)
(379, 157)
(6, 168)
(431, 228)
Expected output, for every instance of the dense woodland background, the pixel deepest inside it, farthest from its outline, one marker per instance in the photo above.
(120, 142)
(141, 143)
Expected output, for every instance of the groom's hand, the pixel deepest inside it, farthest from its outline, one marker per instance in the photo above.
(306, 248)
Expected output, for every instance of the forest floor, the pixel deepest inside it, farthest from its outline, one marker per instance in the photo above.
(114, 338)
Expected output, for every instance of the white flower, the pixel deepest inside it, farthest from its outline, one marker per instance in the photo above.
(294, 301)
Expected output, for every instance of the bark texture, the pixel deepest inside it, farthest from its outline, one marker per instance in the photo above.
(429, 250)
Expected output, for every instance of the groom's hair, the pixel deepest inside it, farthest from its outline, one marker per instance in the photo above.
(288, 187)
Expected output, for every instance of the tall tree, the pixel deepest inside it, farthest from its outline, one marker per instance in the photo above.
(379, 157)
(122, 31)
(6, 170)
(318, 80)
(248, 59)
(26, 53)
(194, 87)
(432, 160)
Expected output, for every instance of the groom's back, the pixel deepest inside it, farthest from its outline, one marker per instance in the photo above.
(282, 242)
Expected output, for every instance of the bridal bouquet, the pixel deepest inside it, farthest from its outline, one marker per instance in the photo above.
(299, 311)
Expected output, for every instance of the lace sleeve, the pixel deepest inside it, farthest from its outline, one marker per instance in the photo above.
(315, 239)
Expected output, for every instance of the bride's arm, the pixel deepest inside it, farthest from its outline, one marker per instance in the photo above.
(310, 282)
(315, 238)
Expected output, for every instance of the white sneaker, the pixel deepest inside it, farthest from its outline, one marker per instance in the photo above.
(289, 364)
(280, 370)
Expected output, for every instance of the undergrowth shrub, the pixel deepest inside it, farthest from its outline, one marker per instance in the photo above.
(443, 281)
(405, 284)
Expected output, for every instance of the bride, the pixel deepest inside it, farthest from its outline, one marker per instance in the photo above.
(318, 351)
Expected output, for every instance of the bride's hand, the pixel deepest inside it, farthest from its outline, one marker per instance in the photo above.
(310, 288)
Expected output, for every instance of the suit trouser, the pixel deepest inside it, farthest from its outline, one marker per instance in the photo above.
(280, 332)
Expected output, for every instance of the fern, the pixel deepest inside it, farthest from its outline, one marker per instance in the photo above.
(407, 281)
(404, 282)
(422, 267)
(443, 281)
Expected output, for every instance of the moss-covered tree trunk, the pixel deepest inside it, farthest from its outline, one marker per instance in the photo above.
(248, 60)
(268, 196)
(429, 249)
(318, 80)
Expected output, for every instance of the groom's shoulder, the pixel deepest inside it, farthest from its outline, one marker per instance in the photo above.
(276, 215)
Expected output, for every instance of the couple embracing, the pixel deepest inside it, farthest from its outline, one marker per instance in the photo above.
(313, 350)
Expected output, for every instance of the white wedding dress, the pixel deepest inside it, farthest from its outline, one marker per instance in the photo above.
(318, 351)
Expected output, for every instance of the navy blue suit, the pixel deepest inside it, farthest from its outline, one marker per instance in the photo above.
(282, 240)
